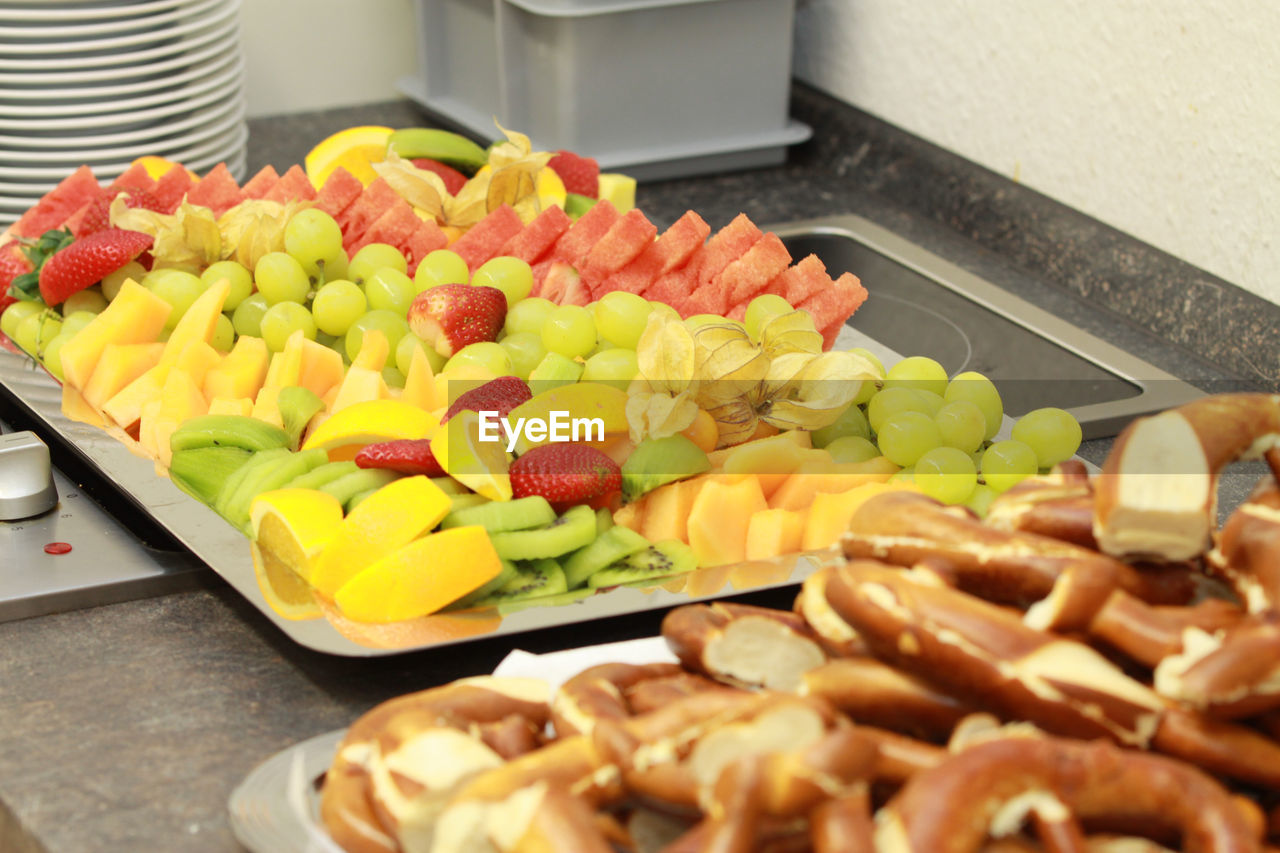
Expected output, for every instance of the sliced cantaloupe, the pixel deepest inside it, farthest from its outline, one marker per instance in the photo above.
(241, 372)
(774, 532)
(242, 406)
(321, 368)
(284, 371)
(359, 385)
(666, 510)
(181, 400)
(420, 382)
(147, 428)
(815, 477)
(77, 409)
(119, 365)
(630, 516)
(199, 321)
(771, 459)
(718, 519)
(831, 512)
(135, 316)
(801, 438)
(124, 408)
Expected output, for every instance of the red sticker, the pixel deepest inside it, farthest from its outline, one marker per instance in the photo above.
(57, 548)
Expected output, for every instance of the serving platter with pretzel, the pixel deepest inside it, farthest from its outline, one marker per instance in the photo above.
(1095, 666)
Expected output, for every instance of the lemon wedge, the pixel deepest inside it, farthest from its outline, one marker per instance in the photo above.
(290, 528)
(371, 421)
(354, 149)
(480, 465)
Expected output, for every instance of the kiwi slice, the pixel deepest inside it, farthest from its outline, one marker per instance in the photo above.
(604, 520)
(354, 500)
(533, 579)
(450, 486)
(323, 475)
(666, 558)
(571, 531)
(608, 548)
(465, 500)
(360, 480)
(501, 516)
(658, 461)
(505, 575)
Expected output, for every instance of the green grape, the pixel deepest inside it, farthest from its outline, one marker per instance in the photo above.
(621, 317)
(52, 359)
(280, 278)
(962, 425)
(1006, 463)
(177, 287)
(904, 475)
(373, 257)
(16, 313)
(697, 321)
(224, 334)
(282, 320)
(404, 354)
(247, 318)
(852, 421)
(76, 320)
(441, 267)
(391, 290)
(526, 351)
(333, 342)
(982, 392)
(917, 371)
(1054, 434)
(392, 376)
(852, 448)
(616, 367)
(932, 403)
(980, 499)
(337, 305)
(761, 310)
(893, 400)
(313, 238)
(528, 315)
(90, 299)
(946, 474)
(485, 354)
(664, 308)
(570, 331)
(240, 279)
(112, 281)
(869, 388)
(389, 323)
(335, 268)
(36, 330)
(905, 436)
(512, 276)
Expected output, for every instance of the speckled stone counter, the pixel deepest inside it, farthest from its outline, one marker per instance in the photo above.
(125, 728)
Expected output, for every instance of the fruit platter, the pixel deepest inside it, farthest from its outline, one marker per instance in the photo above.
(416, 391)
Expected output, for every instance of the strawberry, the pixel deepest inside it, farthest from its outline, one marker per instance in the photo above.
(98, 216)
(581, 175)
(499, 395)
(454, 180)
(85, 262)
(450, 316)
(565, 474)
(408, 456)
(13, 263)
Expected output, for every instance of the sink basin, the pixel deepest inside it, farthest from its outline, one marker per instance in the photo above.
(921, 304)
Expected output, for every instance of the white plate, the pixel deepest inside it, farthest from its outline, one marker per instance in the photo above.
(31, 37)
(196, 49)
(223, 73)
(177, 38)
(216, 58)
(97, 10)
(100, 129)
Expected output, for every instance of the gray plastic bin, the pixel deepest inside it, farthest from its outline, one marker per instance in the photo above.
(656, 88)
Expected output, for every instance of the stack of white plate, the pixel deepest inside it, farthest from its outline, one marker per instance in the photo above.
(103, 82)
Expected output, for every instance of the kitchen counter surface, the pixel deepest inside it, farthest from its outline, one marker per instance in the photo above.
(125, 727)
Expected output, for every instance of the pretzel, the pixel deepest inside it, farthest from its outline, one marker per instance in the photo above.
(992, 788)
(1012, 567)
(835, 635)
(379, 790)
(1247, 550)
(743, 645)
(598, 693)
(1058, 505)
(1143, 507)
(871, 692)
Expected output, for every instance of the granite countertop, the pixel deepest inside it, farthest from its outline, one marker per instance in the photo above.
(126, 727)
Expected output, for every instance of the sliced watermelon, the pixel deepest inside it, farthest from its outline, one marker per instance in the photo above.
(362, 212)
(540, 270)
(293, 184)
(538, 236)
(728, 244)
(217, 190)
(832, 307)
(620, 245)
(260, 184)
(136, 177)
(423, 241)
(340, 189)
(562, 284)
(394, 227)
(752, 272)
(801, 280)
(670, 251)
(74, 192)
(74, 221)
(170, 189)
(574, 244)
(738, 312)
(705, 299)
(483, 240)
(674, 288)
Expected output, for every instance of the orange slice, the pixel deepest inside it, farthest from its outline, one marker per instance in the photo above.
(354, 149)
(421, 577)
(290, 528)
(387, 520)
(289, 595)
(370, 421)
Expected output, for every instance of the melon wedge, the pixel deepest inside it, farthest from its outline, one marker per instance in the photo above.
(135, 316)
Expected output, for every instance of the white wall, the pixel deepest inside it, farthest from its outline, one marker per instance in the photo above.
(1161, 118)
(303, 55)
